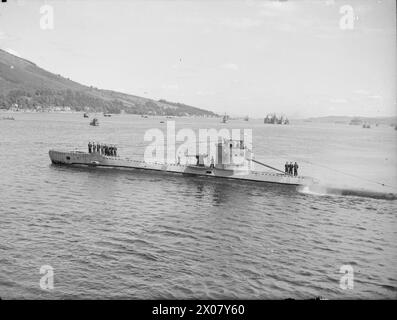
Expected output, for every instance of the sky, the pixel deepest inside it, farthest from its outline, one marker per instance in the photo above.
(251, 57)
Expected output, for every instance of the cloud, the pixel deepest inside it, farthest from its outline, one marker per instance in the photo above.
(241, 23)
(329, 2)
(361, 91)
(170, 87)
(375, 96)
(204, 93)
(230, 66)
(276, 8)
(339, 100)
(367, 94)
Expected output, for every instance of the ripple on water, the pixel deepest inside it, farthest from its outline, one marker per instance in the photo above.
(119, 234)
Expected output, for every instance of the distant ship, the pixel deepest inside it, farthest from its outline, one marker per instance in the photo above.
(233, 161)
(8, 118)
(356, 121)
(225, 118)
(366, 125)
(94, 122)
(107, 115)
(246, 118)
(273, 119)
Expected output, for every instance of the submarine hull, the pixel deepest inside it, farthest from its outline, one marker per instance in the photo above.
(78, 158)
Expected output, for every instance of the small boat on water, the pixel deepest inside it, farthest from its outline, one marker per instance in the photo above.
(94, 122)
(233, 161)
(85, 115)
(355, 121)
(366, 126)
(225, 118)
(107, 115)
(8, 118)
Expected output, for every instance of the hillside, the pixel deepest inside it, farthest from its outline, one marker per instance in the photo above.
(347, 119)
(26, 86)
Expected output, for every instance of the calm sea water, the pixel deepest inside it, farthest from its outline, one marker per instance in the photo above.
(129, 234)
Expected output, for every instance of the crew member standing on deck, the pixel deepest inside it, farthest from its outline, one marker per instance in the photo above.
(93, 147)
(115, 151)
(89, 147)
(291, 168)
(286, 167)
(296, 169)
(98, 147)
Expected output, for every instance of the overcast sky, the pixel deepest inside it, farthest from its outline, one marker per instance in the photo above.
(239, 57)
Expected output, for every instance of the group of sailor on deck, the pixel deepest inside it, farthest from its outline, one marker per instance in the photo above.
(102, 149)
(291, 169)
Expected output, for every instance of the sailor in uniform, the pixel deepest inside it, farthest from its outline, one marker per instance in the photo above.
(296, 169)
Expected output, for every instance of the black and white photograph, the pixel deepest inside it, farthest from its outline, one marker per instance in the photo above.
(196, 150)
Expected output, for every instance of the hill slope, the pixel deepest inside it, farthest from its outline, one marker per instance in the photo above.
(347, 119)
(31, 87)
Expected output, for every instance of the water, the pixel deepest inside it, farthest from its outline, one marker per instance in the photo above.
(122, 234)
